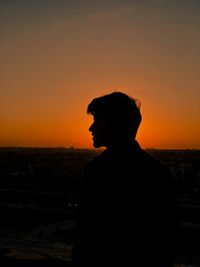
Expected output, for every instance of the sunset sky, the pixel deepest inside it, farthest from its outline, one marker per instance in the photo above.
(57, 55)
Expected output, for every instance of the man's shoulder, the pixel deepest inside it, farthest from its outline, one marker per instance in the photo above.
(152, 163)
(96, 160)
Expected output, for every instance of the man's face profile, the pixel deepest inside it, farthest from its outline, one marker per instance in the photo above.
(100, 132)
(116, 120)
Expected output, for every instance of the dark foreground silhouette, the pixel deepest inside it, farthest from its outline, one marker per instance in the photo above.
(127, 210)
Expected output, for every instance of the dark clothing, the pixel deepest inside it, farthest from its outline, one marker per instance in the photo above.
(127, 212)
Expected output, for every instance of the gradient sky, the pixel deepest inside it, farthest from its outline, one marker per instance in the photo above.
(57, 55)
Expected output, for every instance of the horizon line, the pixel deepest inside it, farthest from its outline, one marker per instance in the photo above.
(89, 148)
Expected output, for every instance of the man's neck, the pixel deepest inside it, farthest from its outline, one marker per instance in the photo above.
(122, 145)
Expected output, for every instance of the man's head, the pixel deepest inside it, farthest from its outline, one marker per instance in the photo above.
(116, 119)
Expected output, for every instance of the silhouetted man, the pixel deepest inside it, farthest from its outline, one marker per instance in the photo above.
(127, 213)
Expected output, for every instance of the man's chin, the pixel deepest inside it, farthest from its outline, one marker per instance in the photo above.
(97, 144)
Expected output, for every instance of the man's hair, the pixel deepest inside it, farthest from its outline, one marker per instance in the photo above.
(118, 107)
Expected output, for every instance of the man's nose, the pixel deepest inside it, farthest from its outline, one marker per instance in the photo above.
(91, 127)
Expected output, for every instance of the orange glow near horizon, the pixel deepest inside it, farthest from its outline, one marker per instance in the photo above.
(67, 131)
(57, 57)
